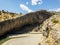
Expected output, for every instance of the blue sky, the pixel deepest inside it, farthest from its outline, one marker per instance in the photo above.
(26, 6)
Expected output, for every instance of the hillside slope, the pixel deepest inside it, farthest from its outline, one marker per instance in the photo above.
(51, 31)
(8, 15)
(30, 18)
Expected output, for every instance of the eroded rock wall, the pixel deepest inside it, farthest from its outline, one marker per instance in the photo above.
(30, 18)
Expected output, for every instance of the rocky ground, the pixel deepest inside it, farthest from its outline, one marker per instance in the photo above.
(51, 31)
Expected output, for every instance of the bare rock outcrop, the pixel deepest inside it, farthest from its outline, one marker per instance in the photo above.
(51, 31)
(30, 18)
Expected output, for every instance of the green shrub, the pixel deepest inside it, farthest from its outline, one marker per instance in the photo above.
(0, 12)
(54, 21)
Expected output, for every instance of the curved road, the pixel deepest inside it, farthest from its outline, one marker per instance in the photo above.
(31, 39)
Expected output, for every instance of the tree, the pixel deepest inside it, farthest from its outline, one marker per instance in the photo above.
(20, 13)
(0, 12)
(3, 11)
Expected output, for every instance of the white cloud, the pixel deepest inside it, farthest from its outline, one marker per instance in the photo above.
(57, 9)
(35, 2)
(25, 8)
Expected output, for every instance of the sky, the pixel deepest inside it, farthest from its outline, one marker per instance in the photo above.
(26, 6)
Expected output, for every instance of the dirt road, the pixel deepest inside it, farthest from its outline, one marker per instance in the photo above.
(30, 39)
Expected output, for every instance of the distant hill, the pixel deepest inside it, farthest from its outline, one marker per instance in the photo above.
(5, 15)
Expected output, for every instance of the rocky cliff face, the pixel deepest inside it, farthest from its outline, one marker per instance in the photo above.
(51, 31)
(30, 18)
